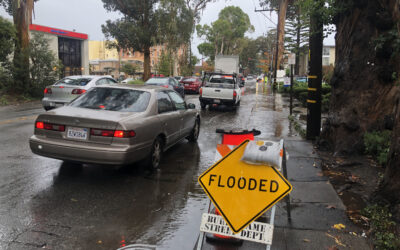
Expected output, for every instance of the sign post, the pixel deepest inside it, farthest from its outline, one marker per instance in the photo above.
(242, 192)
(292, 61)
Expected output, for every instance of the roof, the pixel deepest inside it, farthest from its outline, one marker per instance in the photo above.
(134, 86)
(58, 32)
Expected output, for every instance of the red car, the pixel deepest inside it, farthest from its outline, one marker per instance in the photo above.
(191, 84)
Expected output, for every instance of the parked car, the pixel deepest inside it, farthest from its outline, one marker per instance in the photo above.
(191, 84)
(116, 125)
(127, 80)
(70, 87)
(167, 82)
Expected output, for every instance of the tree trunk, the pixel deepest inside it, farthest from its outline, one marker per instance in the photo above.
(146, 49)
(281, 30)
(298, 42)
(363, 88)
(146, 64)
(22, 16)
(390, 187)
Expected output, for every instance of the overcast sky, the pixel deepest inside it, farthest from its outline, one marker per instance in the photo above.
(87, 16)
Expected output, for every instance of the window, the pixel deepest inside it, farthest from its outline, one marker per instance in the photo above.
(164, 103)
(73, 81)
(325, 51)
(113, 99)
(225, 82)
(325, 61)
(111, 81)
(157, 81)
(172, 82)
(102, 81)
(177, 100)
(69, 53)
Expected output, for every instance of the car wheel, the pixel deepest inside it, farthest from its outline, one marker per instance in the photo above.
(238, 104)
(47, 108)
(156, 153)
(194, 135)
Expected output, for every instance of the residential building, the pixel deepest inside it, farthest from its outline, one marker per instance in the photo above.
(328, 55)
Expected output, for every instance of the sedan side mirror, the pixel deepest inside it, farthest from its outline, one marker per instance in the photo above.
(191, 106)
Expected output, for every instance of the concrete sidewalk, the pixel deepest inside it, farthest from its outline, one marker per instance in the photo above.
(316, 207)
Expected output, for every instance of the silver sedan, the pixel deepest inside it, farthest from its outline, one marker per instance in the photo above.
(116, 125)
(70, 87)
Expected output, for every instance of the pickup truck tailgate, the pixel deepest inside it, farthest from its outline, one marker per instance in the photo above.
(217, 93)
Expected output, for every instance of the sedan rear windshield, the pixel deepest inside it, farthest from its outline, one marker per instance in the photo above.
(74, 81)
(157, 81)
(114, 99)
(221, 82)
(189, 79)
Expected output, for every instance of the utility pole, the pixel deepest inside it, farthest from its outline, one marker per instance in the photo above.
(315, 74)
(277, 44)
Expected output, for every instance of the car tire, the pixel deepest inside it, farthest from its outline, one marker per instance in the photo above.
(194, 134)
(238, 104)
(154, 159)
(47, 108)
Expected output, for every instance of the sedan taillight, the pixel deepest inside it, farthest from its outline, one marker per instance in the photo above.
(48, 91)
(50, 126)
(201, 91)
(234, 94)
(78, 91)
(112, 133)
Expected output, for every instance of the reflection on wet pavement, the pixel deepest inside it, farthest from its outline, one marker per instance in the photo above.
(48, 203)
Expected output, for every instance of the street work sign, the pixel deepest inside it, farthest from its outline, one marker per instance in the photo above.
(242, 192)
(256, 231)
(286, 82)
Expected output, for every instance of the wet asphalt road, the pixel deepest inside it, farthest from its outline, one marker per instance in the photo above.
(45, 203)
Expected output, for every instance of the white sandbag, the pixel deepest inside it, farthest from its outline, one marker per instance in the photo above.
(263, 153)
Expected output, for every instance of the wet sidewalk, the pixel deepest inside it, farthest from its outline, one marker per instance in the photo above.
(318, 216)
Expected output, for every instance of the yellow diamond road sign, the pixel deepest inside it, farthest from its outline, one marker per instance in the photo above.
(243, 192)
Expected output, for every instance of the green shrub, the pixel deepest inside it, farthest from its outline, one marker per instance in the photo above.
(326, 89)
(377, 144)
(383, 227)
(136, 82)
(325, 102)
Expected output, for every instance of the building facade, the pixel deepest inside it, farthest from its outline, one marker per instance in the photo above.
(328, 55)
(70, 47)
(100, 58)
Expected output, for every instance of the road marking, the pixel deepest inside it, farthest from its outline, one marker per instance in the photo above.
(23, 118)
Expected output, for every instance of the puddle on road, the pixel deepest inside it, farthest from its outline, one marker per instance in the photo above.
(163, 208)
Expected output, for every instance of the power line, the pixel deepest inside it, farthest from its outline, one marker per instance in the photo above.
(268, 18)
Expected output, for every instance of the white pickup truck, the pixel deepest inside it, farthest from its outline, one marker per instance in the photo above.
(220, 89)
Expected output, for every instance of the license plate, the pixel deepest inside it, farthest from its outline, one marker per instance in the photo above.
(217, 101)
(77, 133)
